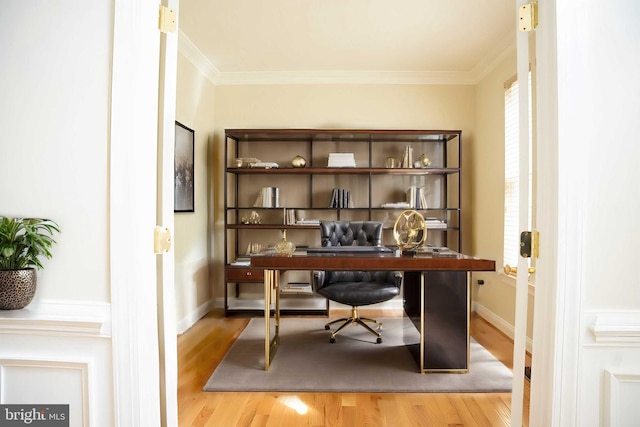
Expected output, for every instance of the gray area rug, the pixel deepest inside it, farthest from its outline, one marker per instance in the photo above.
(306, 361)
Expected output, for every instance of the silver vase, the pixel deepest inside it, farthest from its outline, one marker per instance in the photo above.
(17, 288)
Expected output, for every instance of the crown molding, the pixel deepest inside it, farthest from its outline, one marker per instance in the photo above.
(191, 52)
(197, 58)
(346, 77)
(492, 59)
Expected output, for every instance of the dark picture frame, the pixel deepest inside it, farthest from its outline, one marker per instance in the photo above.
(183, 197)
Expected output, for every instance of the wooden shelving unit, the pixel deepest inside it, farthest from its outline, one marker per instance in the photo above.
(307, 191)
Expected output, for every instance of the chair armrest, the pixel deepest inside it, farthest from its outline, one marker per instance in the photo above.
(317, 279)
(388, 277)
(395, 277)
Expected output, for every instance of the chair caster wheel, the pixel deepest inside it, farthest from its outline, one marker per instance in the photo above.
(379, 340)
(332, 340)
(327, 327)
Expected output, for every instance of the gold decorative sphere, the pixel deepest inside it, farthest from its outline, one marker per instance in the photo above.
(298, 162)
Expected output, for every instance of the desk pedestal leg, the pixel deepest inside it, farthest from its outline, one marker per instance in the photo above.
(438, 304)
(271, 294)
(422, 296)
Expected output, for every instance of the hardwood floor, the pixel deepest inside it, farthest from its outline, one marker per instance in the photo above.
(201, 348)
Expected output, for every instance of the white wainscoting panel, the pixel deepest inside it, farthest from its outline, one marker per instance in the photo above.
(622, 394)
(46, 383)
(70, 318)
(59, 353)
(609, 376)
(620, 327)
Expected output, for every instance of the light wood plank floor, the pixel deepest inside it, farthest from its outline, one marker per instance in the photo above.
(201, 348)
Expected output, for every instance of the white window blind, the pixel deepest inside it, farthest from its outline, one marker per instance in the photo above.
(512, 173)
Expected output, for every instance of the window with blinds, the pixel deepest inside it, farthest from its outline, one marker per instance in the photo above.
(512, 172)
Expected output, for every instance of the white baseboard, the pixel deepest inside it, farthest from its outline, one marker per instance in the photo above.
(498, 322)
(190, 319)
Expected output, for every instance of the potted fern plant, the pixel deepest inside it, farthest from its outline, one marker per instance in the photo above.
(23, 242)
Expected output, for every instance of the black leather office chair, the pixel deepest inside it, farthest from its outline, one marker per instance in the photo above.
(355, 288)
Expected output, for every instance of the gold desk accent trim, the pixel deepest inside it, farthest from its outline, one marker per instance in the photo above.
(271, 296)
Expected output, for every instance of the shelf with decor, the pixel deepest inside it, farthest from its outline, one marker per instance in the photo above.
(287, 180)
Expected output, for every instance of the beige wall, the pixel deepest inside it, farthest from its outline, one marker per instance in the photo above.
(476, 110)
(339, 106)
(496, 298)
(54, 146)
(192, 242)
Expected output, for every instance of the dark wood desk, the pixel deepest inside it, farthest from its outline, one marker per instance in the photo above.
(419, 264)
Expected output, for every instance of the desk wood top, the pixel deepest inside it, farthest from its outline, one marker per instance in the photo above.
(455, 262)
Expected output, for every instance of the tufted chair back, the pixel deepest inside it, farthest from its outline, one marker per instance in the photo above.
(346, 233)
(355, 288)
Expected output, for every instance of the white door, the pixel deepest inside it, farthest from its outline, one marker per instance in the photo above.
(141, 197)
(553, 368)
(525, 37)
(545, 394)
(167, 333)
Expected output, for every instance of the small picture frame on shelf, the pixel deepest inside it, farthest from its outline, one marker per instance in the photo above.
(183, 198)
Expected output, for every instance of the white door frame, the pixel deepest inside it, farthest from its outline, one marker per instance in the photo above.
(522, 279)
(167, 321)
(560, 216)
(138, 280)
(133, 139)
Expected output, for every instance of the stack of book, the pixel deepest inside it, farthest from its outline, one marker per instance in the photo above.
(256, 248)
(289, 216)
(340, 199)
(433, 222)
(396, 205)
(416, 197)
(342, 160)
(266, 165)
(269, 197)
(308, 222)
(407, 157)
(242, 261)
(296, 288)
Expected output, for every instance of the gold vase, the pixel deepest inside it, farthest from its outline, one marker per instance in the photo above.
(285, 247)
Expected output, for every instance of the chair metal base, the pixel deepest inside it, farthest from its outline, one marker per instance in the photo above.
(355, 318)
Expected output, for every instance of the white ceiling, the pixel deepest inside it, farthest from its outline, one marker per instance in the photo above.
(450, 41)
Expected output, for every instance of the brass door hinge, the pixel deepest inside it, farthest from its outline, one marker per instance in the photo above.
(530, 244)
(161, 239)
(167, 20)
(528, 17)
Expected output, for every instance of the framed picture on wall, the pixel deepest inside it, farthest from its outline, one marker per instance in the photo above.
(183, 197)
